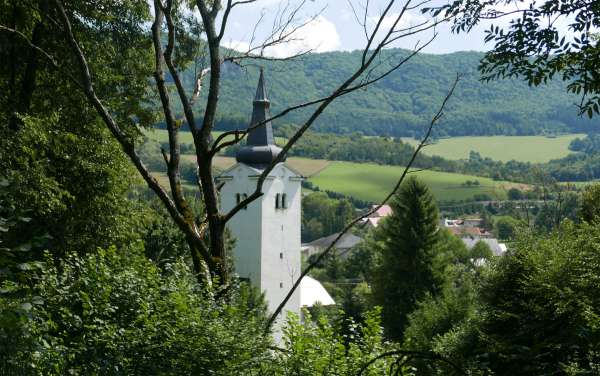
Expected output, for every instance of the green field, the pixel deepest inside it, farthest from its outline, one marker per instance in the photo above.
(535, 149)
(372, 182)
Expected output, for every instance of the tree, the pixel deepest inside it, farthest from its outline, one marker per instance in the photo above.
(65, 171)
(515, 194)
(537, 309)
(535, 45)
(505, 227)
(174, 51)
(181, 36)
(406, 241)
(589, 209)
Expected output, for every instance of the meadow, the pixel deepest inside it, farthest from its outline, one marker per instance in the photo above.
(535, 149)
(372, 182)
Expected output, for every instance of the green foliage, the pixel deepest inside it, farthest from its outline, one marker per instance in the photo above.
(515, 194)
(403, 103)
(564, 206)
(322, 216)
(538, 308)
(320, 349)
(505, 227)
(115, 313)
(437, 316)
(406, 241)
(589, 208)
(71, 181)
(534, 50)
(66, 171)
(588, 145)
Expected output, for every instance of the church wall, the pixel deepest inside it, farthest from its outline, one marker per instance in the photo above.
(281, 239)
(245, 226)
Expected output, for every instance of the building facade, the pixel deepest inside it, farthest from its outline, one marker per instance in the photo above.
(267, 231)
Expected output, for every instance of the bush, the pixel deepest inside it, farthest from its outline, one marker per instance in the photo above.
(115, 313)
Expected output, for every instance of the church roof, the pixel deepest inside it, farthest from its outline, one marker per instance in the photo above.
(313, 292)
(347, 241)
(260, 149)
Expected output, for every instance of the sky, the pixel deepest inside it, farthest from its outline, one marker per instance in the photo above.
(332, 26)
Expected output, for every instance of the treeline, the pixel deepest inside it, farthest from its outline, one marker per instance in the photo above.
(393, 151)
(581, 166)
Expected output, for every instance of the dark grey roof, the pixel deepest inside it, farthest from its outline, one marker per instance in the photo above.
(347, 241)
(260, 149)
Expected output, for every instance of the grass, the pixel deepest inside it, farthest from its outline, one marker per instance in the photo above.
(372, 182)
(535, 149)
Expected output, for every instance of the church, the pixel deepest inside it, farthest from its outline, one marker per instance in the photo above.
(267, 231)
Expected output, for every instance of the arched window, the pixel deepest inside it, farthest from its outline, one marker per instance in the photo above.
(283, 201)
(277, 198)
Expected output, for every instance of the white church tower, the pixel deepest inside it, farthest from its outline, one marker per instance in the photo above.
(267, 231)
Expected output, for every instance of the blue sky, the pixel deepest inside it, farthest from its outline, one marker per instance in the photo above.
(336, 28)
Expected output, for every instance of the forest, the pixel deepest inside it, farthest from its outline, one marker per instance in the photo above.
(400, 106)
(105, 269)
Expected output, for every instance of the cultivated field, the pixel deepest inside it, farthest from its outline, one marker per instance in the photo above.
(535, 149)
(372, 182)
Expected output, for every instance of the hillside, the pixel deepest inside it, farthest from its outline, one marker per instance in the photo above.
(402, 103)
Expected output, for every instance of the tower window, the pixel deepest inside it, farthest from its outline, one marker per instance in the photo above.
(283, 201)
(245, 196)
(280, 255)
(277, 201)
(280, 285)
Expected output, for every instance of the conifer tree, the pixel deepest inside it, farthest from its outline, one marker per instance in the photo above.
(406, 241)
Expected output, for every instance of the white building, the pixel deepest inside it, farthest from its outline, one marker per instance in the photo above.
(267, 231)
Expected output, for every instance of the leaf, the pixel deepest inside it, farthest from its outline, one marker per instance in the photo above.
(26, 306)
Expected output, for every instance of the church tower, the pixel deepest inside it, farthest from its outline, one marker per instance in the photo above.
(267, 231)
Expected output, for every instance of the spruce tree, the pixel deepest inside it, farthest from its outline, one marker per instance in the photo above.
(406, 241)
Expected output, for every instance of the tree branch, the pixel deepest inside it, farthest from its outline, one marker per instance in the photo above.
(126, 144)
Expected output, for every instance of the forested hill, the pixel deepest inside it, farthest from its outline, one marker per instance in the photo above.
(402, 103)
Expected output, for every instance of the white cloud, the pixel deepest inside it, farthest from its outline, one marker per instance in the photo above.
(318, 35)
(236, 45)
(408, 20)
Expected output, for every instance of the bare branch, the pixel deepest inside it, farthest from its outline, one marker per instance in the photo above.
(351, 224)
(218, 146)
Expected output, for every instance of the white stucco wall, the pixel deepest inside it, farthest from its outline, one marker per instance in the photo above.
(267, 246)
